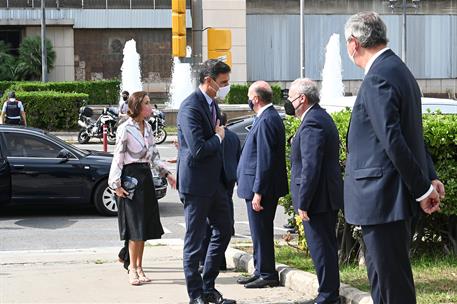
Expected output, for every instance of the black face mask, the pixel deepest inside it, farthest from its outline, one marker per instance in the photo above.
(251, 104)
(125, 98)
(289, 107)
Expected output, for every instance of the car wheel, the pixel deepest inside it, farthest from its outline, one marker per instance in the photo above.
(105, 200)
(83, 137)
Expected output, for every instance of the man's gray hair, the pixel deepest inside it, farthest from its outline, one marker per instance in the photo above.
(368, 28)
(308, 88)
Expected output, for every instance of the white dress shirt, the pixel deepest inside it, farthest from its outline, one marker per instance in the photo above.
(209, 100)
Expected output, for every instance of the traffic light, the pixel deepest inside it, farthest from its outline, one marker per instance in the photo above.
(178, 27)
(219, 45)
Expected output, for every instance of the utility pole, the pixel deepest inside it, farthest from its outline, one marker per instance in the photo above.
(197, 38)
(403, 47)
(44, 63)
(302, 48)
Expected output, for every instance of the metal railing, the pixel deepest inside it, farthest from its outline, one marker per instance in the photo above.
(90, 4)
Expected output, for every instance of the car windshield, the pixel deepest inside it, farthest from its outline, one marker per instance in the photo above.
(62, 142)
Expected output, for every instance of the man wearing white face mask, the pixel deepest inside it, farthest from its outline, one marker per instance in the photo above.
(201, 182)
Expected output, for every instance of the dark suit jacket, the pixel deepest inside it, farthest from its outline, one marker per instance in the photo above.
(262, 166)
(200, 151)
(231, 151)
(316, 183)
(388, 166)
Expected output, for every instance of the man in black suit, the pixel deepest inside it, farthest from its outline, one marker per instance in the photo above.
(231, 150)
(262, 180)
(389, 173)
(316, 184)
(201, 182)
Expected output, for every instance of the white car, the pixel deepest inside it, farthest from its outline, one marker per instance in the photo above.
(445, 106)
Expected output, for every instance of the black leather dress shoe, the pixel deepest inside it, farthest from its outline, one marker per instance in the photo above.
(246, 280)
(199, 300)
(216, 297)
(262, 283)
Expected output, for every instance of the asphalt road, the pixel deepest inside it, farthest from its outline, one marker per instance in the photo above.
(63, 227)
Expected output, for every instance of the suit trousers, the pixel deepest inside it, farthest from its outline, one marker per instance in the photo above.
(320, 232)
(197, 210)
(209, 231)
(261, 226)
(388, 264)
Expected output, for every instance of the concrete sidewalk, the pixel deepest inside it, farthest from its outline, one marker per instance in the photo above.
(95, 276)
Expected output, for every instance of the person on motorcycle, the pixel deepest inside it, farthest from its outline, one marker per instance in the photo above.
(123, 108)
(13, 111)
(158, 113)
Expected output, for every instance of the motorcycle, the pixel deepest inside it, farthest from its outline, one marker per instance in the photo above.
(157, 122)
(91, 128)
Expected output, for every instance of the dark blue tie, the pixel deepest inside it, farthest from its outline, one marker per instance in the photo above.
(213, 113)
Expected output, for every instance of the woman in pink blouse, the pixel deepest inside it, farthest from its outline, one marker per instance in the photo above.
(134, 157)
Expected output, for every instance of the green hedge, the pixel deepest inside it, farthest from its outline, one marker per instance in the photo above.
(239, 94)
(436, 232)
(52, 110)
(99, 92)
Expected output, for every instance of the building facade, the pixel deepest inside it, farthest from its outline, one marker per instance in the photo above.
(89, 35)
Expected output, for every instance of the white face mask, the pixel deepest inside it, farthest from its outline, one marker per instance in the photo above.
(223, 91)
(352, 57)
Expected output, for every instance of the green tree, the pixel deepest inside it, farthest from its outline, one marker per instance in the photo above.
(30, 57)
(7, 62)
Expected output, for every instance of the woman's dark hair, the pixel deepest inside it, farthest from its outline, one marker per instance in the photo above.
(212, 68)
(135, 100)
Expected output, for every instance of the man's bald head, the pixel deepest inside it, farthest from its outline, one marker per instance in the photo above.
(262, 90)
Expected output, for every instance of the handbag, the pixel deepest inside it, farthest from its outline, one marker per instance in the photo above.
(129, 184)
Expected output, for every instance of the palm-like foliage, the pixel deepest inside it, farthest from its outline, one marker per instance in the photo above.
(7, 62)
(30, 58)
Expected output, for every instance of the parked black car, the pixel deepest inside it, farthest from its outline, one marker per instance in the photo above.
(241, 125)
(37, 167)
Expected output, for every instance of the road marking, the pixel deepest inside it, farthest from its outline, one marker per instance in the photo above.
(276, 228)
(166, 231)
(166, 242)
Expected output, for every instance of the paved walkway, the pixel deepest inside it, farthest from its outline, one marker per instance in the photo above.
(94, 276)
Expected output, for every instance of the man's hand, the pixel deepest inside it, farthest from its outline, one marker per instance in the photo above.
(256, 202)
(171, 181)
(431, 203)
(303, 215)
(120, 192)
(439, 187)
(220, 130)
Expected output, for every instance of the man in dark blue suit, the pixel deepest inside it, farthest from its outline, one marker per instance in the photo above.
(262, 180)
(201, 182)
(316, 183)
(389, 173)
(231, 150)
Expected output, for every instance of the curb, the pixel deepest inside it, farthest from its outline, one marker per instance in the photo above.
(297, 280)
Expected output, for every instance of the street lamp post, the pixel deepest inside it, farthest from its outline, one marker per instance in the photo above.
(302, 48)
(404, 7)
(44, 64)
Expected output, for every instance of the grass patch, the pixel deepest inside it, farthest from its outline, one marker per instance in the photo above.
(171, 129)
(435, 277)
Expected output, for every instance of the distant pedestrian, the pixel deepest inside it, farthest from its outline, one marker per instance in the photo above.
(123, 108)
(13, 111)
(134, 155)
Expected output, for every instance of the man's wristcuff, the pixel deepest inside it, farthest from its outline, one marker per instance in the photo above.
(430, 190)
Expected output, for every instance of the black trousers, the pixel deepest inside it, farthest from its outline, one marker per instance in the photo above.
(261, 226)
(320, 232)
(197, 210)
(388, 264)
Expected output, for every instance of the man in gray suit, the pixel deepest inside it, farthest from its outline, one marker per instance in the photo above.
(389, 173)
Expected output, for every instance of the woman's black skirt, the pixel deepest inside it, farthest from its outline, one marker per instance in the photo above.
(139, 218)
